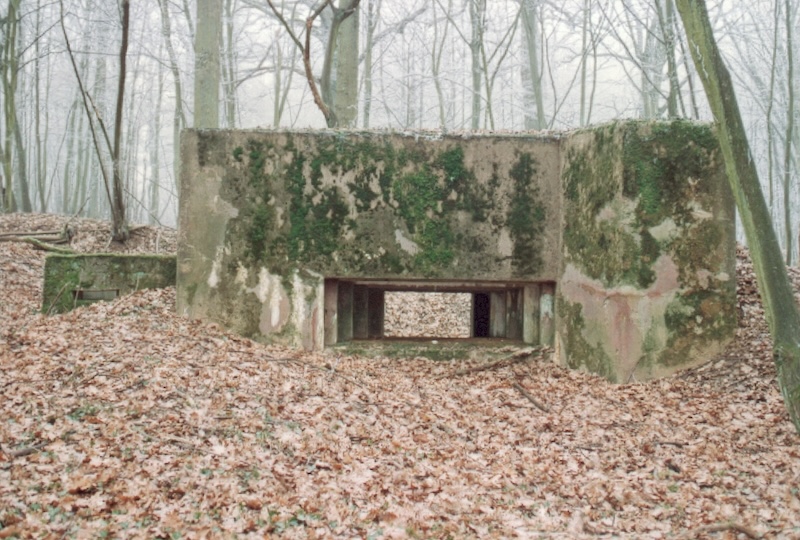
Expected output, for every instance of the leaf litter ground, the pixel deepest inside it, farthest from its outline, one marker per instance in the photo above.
(123, 419)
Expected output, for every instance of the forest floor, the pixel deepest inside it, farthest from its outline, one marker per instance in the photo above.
(123, 419)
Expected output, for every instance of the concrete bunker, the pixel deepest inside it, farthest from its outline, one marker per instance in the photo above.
(615, 243)
(73, 280)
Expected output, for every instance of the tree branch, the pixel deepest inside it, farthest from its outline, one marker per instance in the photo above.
(85, 104)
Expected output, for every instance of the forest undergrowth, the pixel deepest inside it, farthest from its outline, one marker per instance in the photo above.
(123, 419)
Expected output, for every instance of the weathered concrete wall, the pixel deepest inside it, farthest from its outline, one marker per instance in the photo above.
(264, 216)
(648, 279)
(76, 280)
(632, 221)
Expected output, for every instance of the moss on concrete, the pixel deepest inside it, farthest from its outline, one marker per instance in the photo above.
(432, 349)
(581, 353)
(659, 170)
(598, 235)
(526, 217)
(65, 275)
(340, 188)
(663, 164)
(635, 192)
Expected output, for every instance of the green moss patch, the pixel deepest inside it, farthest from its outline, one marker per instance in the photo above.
(526, 217)
(659, 168)
(581, 353)
(334, 193)
(74, 280)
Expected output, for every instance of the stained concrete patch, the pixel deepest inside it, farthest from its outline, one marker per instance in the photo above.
(628, 227)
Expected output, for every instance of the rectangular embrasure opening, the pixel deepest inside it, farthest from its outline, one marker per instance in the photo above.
(95, 295)
(378, 309)
(427, 315)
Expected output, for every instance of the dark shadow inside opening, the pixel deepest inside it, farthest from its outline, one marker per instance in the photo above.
(480, 315)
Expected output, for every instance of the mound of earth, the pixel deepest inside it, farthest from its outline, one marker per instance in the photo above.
(122, 419)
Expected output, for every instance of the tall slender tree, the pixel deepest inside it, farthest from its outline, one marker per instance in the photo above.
(773, 282)
(115, 185)
(178, 115)
(14, 145)
(789, 136)
(532, 70)
(207, 63)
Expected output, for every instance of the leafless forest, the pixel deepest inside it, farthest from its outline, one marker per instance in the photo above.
(67, 128)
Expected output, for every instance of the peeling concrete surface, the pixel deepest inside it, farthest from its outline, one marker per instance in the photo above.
(631, 220)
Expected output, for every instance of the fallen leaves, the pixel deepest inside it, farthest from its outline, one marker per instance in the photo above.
(124, 420)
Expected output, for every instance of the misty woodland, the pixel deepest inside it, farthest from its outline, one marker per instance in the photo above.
(399, 269)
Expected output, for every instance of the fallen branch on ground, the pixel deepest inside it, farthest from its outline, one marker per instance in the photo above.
(35, 242)
(720, 527)
(517, 356)
(539, 405)
(26, 451)
(50, 237)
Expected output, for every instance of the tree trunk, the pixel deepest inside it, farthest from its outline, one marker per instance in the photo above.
(178, 117)
(770, 103)
(534, 94)
(773, 282)
(585, 15)
(229, 67)
(667, 24)
(207, 68)
(40, 157)
(373, 13)
(119, 223)
(84, 175)
(345, 72)
(154, 203)
(69, 159)
(477, 10)
(14, 146)
(789, 139)
(340, 63)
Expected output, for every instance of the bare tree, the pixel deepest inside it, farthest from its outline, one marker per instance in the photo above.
(13, 145)
(207, 63)
(229, 75)
(115, 186)
(532, 69)
(324, 95)
(789, 137)
(178, 116)
(373, 16)
(773, 282)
